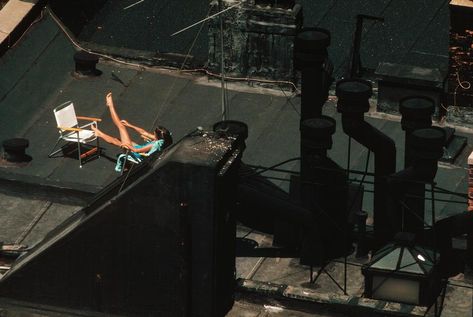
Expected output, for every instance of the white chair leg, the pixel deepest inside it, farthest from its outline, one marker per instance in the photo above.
(52, 153)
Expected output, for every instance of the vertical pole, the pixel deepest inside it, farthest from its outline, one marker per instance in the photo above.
(432, 196)
(345, 270)
(470, 182)
(348, 158)
(345, 234)
(222, 68)
(469, 245)
(355, 57)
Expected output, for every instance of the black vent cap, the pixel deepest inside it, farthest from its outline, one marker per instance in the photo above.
(353, 95)
(310, 40)
(417, 107)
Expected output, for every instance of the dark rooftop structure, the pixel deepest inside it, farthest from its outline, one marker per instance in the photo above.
(37, 74)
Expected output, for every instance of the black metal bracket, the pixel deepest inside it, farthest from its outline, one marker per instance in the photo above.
(355, 61)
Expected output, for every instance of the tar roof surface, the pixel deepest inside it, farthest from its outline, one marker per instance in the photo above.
(413, 33)
(36, 76)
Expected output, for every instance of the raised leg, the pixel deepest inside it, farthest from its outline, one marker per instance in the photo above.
(107, 138)
(124, 136)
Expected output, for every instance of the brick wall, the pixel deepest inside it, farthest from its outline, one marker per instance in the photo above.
(258, 39)
(470, 182)
(460, 77)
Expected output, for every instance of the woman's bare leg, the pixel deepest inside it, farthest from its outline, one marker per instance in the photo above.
(124, 136)
(107, 138)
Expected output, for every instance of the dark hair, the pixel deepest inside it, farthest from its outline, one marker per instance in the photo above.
(163, 133)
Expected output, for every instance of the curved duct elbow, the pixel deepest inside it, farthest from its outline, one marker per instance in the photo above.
(353, 101)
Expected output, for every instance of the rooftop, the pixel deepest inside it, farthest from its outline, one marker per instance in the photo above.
(36, 75)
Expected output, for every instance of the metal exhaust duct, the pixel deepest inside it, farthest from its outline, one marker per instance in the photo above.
(416, 114)
(260, 202)
(408, 185)
(311, 58)
(324, 191)
(353, 101)
(447, 228)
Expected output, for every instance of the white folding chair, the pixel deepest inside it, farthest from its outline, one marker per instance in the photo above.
(70, 131)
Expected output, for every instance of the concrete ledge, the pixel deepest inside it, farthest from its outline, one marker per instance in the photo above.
(463, 3)
(66, 193)
(13, 13)
(15, 18)
(337, 302)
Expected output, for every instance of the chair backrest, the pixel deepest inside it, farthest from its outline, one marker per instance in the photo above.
(66, 115)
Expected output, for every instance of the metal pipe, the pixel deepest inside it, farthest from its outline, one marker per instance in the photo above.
(328, 200)
(353, 101)
(355, 62)
(408, 185)
(416, 114)
(311, 58)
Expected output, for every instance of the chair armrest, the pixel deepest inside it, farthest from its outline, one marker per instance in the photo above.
(89, 118)
(70, 129)
(88, 125)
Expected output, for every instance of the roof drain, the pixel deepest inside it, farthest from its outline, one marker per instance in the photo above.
(408, 186)
(311, 58)
(85, 64)
(14, 153)
(353, 101)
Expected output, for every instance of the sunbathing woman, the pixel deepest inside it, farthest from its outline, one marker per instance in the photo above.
(159, 139)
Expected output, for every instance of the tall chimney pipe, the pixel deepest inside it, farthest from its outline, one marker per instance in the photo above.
(353, 101)
(311, 58)
(408, 185)
(324, 191)
(416, 114)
